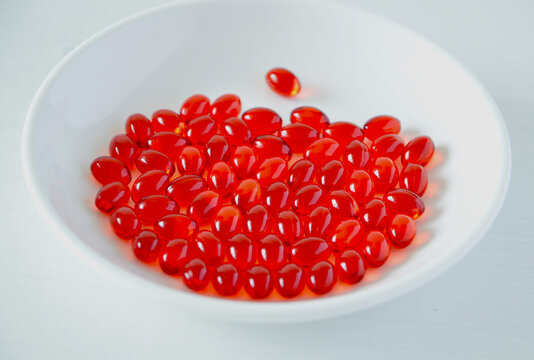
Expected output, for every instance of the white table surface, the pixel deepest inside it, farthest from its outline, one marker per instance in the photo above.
(53, 306)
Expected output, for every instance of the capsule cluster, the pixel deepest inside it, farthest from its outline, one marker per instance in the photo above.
(241, 201)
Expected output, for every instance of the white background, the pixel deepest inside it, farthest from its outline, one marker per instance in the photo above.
(52, 306)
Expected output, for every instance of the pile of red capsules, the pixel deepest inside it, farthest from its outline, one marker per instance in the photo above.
(240, 201)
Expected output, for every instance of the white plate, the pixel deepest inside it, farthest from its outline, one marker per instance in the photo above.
(352, 64)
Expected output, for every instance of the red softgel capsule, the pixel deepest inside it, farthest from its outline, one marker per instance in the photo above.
(384, 174)
(290, 280)
(272, 252)
(287, 226)
(348, 234)
(344, 132)
(361, 186)
(298, 136)
(201, 129)
(310, 116)
(153, 182)
(191, 161)
(226, 280)
(277, 197)
(321, 277)
(381, 125)
(196, 275)
(307, 198)
(390, 145)
(247, 194)
(221, 179)
(350, 266)
(357, 155)
(309, 251)
(204, 207)
(301, 173)
(167, 120)
(262, 121)
(376, 248)
(418, 151)
(236, 131)
(227, 222)
(414, 178)
(401, 201)
(139, 129)
(107, 169)
(217, 149)
(244, 162)
(194, 107)
(256, 222)
(154, 160)
(272, 170)
(401, 230)
(374, 215)
(323, 150)
(168, 143)
(125, 223)
(225, 106)
(111, 197)
(258, 282)
(241, 252)
(154, 207)
(176, 226)
(341, 204)
(124, 149)
(174, 255)
(283, 82)
(185, 188)
(146, 246)
(268, 146)
(320, 223)
(332, 175)
(209, 248)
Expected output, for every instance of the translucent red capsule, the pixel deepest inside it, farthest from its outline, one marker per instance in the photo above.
(247, 194)
(154, 207)
(125, 223)
(390, 145)
(320, 223)
(154, 160)
(204, 207)
(272, 170)
(272, 253)
(290, 280)
(111, 197)
(225, 106)
(124, 149)
(374, 214)
(344, 132)
(174, 255)
(256, 222)
(209, 248)
(384, 174)
(268, 146)
(236, 131)
(309, 251)
(222, 179)
(360, 186)
(176, 226)
(287, 226)
(401, 201)
(191, 161)
(185, 188)
(227, 222)
(348, 234)
(201, 129)
(310, 116)
(332, 175)
(139, 129)
(301, 173)
(107, 169)
(146, 246)
(277, 197)
(401, 230)
(283, 82)
(298, 136)
(357, 155)
(381, 125)
(244, 162)
(262, 121)
(418, 151)
(258, 282)
(226, 280)
(376, 248)
(196, 275)
(217, 149)
(168, 143)
(350, 266)
(241, 252)
(167, 120)
(341, 204)
(321, 277)
(307, 198)
(323, 150)
(414, 178)
(153, 182)
(194, 107)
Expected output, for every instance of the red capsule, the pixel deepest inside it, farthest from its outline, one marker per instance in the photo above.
(225, 106)
(374, 214)
(384, 174)
(320, 223)
(194, 107)
(323, 150)
(290, 281)
(204, 207)
(236, 131)
(357, 155)
(191, 161)
(256, 222)
(153, 182)
(227, 222)
(272, 252)
(343, 132)
(146, 246)
(107, 169)
(332, 175)
(272, 170)
(154, 207)
(283, 82)
(112, 196)
(185, 188)
(376, 248)
(222, 179)
(298, 136)
(167, 120)
(196, 275)
(307, 198)
(268, 146)
(361, 187)
(174, 255)
(125, 223)
(262, 121)
(341, 204)
(301, 173)
(226, 280)
(309, 251)
(168, 143)
(350, 266)
(124, 149)
(349, 233)
(418, 151)
(401, 201)
(247, 194)
(321, 277)
(209, 248)
(154, 160)
(287, 226)
(176, 226)
(390, 145)
(244, 162)
(401, 230)
(217, 149)
(241, 252)
(414, 178)
(381, 125)
(276, 197)
(258, 282)
(201, 129)
(139, 129)
(310, 116)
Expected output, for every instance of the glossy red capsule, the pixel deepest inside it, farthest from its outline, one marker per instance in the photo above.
(290, 280)
(124, 149)
(298, 136)
(174, 255)
(323, 150)
(204, 207)
(227, 222)
(167, 120)
(283, 82)
(272, 170)
(414, 178)
(307, 198)
(344, 132)
(272, 252)
(401, 201)
(418, 151)
(146, 246)
(196, 275)
(226, 280)
(341, 204)
(360, 186)
(348, 234)
(357, 155)
(112, 196)
(310, 116)
(139, 129)
(381, 125)
(194, 107)
(350, 266)
(268, 146)
(287, 226)
(191, 161)
(154, 160)
(176, 226)
(320, 223)
(332, 175)
(168, 143)
(401, 230)
(277, 197)
(217, 149)
(384, 174)
(244, 162)
(154, 207)
(321, 277)
(236, 131)
(256, 222)
(390, 145)
(107, 169)
(153, 182)
(209, 248)
(301, 173)
(258, 282)
(376, 248)
(309, 251)
(222, 179)
(262, 121)
(241, 252)
(185, 188)
(374, 215)
(201, 129)
(247, 194)
(125, 223)
(225, 106)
